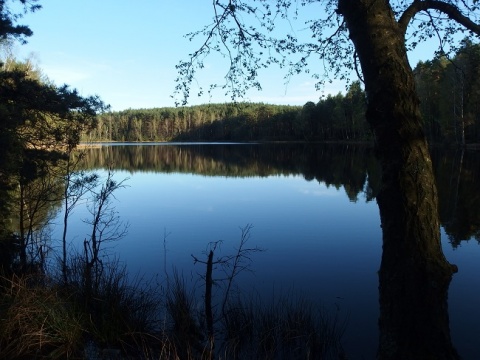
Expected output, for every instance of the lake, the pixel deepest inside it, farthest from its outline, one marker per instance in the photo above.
(313, 211)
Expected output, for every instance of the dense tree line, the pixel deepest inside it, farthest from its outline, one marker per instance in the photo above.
(449, 92)
(336, 117)
(197, 123)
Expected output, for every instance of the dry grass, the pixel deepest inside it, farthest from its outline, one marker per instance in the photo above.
(43, 320)
(37, 320)
(40, 318)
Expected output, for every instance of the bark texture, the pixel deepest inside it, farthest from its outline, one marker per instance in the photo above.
(414, 276)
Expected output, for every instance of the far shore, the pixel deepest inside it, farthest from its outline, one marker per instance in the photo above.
(99, 144)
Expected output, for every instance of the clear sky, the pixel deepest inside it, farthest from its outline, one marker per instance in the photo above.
(125, 51)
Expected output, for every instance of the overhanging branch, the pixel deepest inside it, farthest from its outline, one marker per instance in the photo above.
(452, 11)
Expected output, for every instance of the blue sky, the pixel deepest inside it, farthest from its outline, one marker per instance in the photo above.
(126, 52)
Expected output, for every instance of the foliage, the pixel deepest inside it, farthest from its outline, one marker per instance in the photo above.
(234, 122)
(8, 20)
(39, 121)
(40, 115)
(254, 35)
(447, 88)
(450, 93)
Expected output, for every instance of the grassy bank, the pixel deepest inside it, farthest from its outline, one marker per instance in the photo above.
(43, 318)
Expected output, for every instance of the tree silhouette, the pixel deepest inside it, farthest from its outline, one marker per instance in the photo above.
(370, 37)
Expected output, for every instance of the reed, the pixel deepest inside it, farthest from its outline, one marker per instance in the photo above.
(44, 318)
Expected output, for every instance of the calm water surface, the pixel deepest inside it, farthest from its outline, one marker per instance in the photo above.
(312, 209)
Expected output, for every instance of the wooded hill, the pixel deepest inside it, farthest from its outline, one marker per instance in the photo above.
(449, 92)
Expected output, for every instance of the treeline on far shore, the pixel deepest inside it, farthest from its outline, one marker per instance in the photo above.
(240, 122)
(449, 92)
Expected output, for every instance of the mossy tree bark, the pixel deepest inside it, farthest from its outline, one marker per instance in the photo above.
(414, 274)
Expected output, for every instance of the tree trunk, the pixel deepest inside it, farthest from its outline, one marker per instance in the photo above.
(414, 274)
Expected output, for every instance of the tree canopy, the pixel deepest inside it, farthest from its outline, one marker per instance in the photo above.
(254, 35)
(9, 28)
(447, 87)
(39, 122)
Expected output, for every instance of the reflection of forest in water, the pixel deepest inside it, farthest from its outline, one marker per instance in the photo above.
(352, 167)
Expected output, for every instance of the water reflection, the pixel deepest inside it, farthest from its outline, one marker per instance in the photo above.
(352, 167)
(313, 209)
(414, 320)
(458, 180)
(413, 298)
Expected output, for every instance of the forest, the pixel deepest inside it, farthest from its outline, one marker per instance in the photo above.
(58, 303)
(449, 92)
